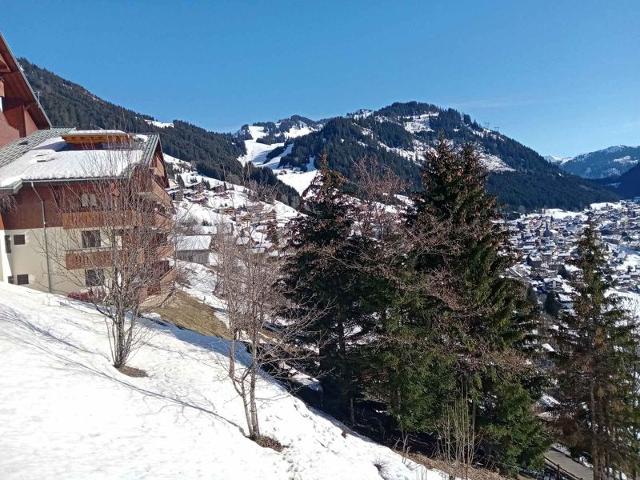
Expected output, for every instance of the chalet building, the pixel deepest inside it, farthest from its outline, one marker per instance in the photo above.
(194, 248)
(20, 111)
(58, 187)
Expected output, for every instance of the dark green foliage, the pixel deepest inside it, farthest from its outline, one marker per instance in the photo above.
(214, 154)
(466, 312)
(344, 143)
(534, 183)
(265, 177)
(629, 183)
(423, 312)
(276, 151)
(321, 275)
(597, 362)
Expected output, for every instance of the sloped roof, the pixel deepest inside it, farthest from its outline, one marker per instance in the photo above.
(192, 243)
(44, 156)
(16, 78)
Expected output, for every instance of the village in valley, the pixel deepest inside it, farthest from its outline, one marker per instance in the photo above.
(401, 293)
(546, 243)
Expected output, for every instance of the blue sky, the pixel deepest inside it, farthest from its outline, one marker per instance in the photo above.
(561, 76)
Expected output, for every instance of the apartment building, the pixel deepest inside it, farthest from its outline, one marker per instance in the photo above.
(62, 193)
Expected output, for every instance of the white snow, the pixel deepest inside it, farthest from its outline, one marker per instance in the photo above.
(50, 160)
(257, 154)
(494, 163)
(158, 124)
(67, 413)
(193, 242)
(419, 123)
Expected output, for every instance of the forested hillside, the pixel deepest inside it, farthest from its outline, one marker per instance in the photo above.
(215, 154)
(608, 162)
(398, 135)
(629, 183)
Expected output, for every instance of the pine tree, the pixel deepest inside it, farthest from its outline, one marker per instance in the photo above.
(322, 273)
(597, 364)
(474, 315)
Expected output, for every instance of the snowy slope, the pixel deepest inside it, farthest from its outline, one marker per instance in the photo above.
(257, 154)
(66, 413)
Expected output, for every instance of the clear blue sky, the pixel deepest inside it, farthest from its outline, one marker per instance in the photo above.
(562, 76)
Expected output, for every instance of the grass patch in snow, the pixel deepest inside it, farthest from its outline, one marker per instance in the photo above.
(132, 371)
(184, 311)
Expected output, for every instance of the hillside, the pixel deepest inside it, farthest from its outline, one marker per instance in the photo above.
(628, 184)
(214, 154)
(608, 162)
(67, 413)
(399, 135)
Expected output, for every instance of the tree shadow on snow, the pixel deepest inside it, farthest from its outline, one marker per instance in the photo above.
(64, 349)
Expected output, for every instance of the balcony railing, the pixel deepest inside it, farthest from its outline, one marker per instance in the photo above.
(88, 258)
(155, 192)
(105, 218)
(102, 257)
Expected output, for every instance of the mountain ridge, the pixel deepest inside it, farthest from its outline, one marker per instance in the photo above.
(397, 135)
(604, 163)
(400, 134)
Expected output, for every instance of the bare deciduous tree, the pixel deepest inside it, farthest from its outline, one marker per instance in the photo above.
(458, 438)
(116, 245)
(249, 267)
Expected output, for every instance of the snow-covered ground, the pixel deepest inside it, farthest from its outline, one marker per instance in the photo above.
(67, 413)
(257, 154)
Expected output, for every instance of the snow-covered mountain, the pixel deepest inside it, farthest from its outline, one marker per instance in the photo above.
(398, 136)
(609, 162)
(67, 413)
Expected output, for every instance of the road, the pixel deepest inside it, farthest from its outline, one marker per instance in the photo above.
(577, 470)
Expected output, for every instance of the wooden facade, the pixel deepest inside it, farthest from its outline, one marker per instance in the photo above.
(20, 111)
(61, 208)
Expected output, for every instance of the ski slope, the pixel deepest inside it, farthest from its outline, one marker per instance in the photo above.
(257, 154)
(67, 413)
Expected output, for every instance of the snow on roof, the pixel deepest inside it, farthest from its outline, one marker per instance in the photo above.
(194, 242)
(55, 159)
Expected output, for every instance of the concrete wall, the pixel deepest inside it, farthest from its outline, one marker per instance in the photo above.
(31, 259)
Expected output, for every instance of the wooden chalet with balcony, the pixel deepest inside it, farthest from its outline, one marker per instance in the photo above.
(63, 189)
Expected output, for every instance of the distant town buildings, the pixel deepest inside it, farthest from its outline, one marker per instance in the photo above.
(547, 243)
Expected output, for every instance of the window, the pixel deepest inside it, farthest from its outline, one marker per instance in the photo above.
(23, 279)
(19, 240)
(91, 239)
(94, 278)
(10, 279)
(7, 243)
(88, 200)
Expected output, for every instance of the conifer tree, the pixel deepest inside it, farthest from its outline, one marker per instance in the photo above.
(475, 318)
(322, 273)
(597, 364)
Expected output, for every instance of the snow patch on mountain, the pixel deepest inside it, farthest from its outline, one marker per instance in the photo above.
(494, 163)
(158, 124)
(419, 123)
(257, 152)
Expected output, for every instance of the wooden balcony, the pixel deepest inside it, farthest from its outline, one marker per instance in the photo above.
(88, 258)
(101, 257)
(98, 218)
(156, 193)
(168, 278)
(165, 251)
